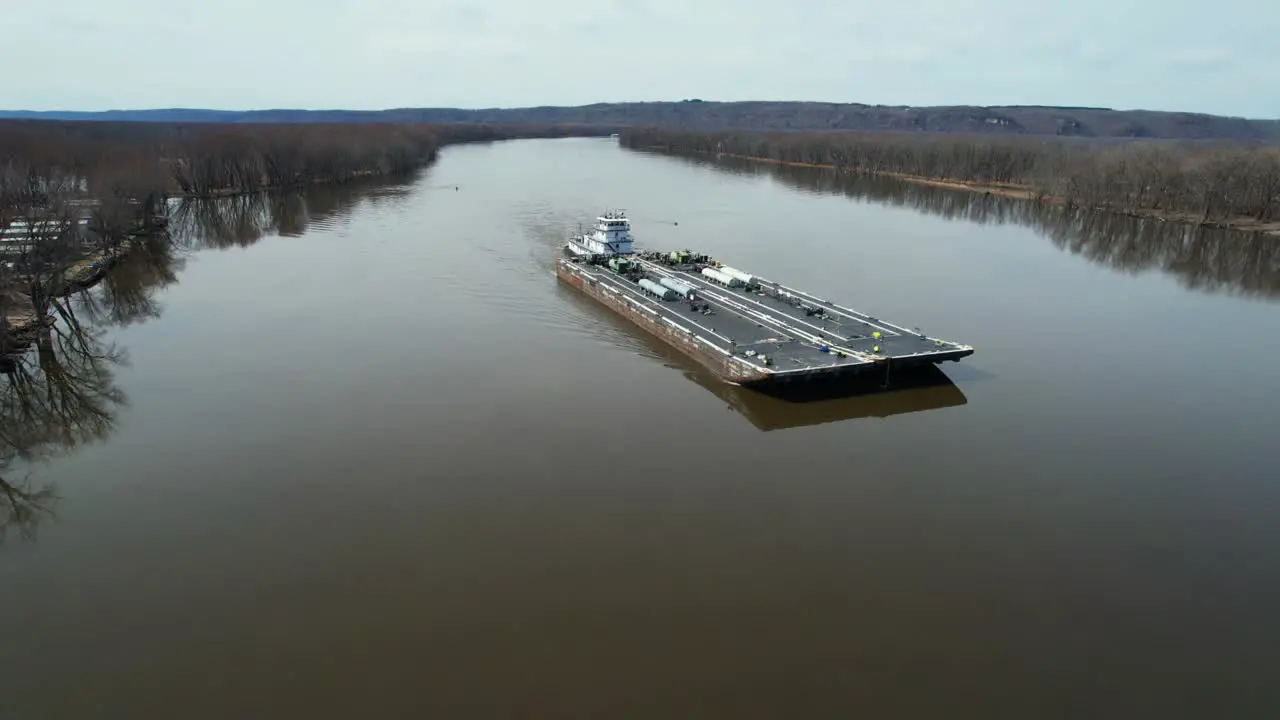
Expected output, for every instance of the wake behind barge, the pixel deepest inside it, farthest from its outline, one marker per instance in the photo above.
(745, 329)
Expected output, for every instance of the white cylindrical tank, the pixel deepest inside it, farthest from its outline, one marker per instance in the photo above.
(721, 278)
(661, 291)
(681, 288)
(746, 278)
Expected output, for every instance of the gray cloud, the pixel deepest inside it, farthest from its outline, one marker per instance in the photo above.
(1178, 55)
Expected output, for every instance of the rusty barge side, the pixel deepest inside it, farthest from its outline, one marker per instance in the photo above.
(701, 350)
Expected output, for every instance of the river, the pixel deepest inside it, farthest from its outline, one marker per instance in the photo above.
(359, 454)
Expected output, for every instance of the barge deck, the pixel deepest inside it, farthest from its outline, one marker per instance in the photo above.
(747, 329)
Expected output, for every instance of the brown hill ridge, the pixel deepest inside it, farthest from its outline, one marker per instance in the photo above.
(764, 115)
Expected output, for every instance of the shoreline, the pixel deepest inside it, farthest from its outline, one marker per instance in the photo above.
(357, 176)
(362, 175)
(316, 156)
(1016, 192)
(25, 324)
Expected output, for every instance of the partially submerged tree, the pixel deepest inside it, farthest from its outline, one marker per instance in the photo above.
(129, 196)
(43, 224)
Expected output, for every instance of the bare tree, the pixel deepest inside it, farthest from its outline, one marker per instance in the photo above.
(127, 194)
(43, 220)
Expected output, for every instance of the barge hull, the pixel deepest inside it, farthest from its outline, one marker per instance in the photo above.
(703, 352)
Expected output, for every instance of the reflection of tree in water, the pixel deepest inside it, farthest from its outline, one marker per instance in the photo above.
(62, 393)
(54, 398)
(127, 294)
(1201, 258)
(242, 220)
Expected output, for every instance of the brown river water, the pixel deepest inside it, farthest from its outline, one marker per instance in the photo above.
(358, 454)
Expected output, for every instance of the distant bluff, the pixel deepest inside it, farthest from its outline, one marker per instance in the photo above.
(762, 115)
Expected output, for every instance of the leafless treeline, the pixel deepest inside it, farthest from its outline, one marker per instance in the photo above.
(216, 158)
(75, 191)
(1206, 259)
(230, 159)
(242, 220)
(1216, 183)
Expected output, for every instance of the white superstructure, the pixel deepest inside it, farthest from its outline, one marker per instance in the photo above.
(610, 236)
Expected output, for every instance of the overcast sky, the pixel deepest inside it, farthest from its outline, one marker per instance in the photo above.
(1218, 56)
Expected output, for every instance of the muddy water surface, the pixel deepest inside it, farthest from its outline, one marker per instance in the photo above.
(366, 456)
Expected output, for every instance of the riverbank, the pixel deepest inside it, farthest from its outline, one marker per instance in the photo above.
(225, 192)
(24, 323)
(446, 137)
(1018, 192)
(127, 172)
(23, 326)
(1215, 185)
(146, 162)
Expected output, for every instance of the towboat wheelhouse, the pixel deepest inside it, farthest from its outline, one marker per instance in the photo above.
(611, 235)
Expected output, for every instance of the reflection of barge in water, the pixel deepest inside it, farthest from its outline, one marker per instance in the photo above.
(915, 390)
(791, 406)
(745, 329)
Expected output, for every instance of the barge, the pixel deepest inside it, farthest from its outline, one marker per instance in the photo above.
(746, 329)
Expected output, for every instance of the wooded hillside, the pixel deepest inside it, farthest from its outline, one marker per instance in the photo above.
(762, 115)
